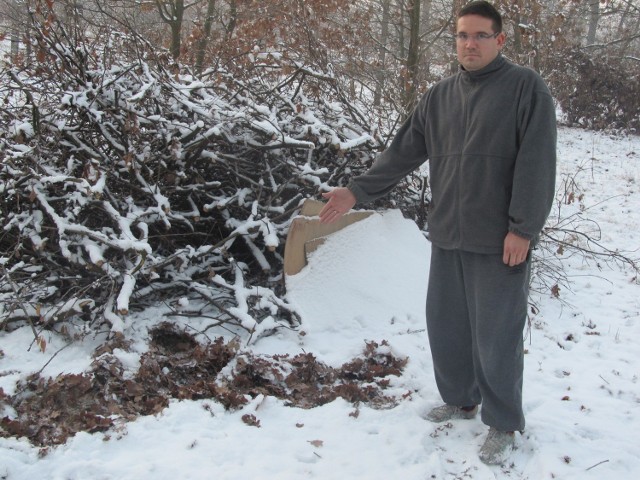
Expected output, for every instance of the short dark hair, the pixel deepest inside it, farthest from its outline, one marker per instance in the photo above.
(483, 9)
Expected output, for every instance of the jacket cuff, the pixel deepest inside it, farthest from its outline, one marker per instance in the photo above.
(522, 234)
(358, 192)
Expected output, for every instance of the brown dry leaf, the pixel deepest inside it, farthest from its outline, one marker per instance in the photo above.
(251, 420)
(317, 443)
(42, 344)
(133, 389)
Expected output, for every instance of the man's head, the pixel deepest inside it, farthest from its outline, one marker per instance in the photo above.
(479, 35)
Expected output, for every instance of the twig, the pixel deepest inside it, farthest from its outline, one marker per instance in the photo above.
(52, 357)
(599, 463)
(16, 291)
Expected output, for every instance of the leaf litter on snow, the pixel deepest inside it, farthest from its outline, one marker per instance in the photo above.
(48, 411)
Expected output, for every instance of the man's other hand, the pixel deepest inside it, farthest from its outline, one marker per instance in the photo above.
(516, 249)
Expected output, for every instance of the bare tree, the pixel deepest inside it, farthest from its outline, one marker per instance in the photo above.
(594, 17)
(382, 51)
(206, 33)
(456, 5)
(172, 13)
(413, 54)
(628, 31)
(13, 21)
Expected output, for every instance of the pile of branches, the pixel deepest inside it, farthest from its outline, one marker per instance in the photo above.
(125, 178)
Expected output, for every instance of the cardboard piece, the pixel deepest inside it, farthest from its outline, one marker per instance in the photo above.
(306, 234)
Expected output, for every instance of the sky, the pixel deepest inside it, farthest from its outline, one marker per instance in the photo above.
(368, 283)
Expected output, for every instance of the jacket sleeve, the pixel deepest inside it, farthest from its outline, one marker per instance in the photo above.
(535, 167)
(406, 152)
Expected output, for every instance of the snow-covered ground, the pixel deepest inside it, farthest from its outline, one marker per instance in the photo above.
(368, 282)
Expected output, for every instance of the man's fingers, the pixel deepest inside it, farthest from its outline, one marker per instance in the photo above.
(325, 211)
(329, 215)
(328, 212)
(513, 259)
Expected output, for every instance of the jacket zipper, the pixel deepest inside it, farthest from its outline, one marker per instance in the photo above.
(465, 116)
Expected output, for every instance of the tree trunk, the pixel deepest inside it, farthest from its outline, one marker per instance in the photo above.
(626, 32)
(426, 20)
(517, 31)
(172, 13)
(594, 17)
(233, 18)
(456, 5)
(15, 45)
(382, 52)
(204, 41)
(413, 55)
(176, 29)
(401, 28)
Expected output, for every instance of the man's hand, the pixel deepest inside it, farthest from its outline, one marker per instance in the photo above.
(341, 200)
(515, 250)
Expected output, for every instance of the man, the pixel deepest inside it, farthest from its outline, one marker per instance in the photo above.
(489, 133)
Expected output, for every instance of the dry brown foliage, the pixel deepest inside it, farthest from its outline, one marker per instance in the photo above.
(51, 410)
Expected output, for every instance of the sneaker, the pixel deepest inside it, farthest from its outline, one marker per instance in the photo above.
(450, 412)
(497, 447)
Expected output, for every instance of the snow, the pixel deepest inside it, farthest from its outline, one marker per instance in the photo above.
(368, 282)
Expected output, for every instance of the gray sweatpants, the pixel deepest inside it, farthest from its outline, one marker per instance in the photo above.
(476, 312)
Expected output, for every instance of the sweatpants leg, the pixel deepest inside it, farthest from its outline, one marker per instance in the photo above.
(476, 312)
(449, 330)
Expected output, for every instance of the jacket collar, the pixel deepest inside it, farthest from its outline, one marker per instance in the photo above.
(495, 64)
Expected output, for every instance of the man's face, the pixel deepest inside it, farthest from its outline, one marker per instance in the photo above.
(475, 53)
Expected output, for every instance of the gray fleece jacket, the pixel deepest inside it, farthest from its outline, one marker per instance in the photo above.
(490, 138)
